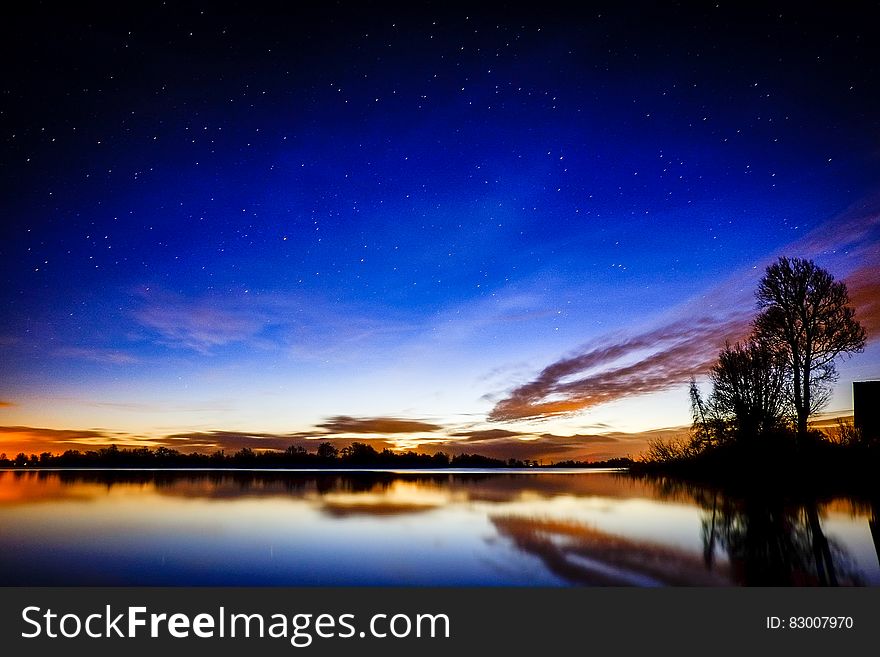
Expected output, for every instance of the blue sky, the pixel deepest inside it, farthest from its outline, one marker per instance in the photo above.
(229, 219)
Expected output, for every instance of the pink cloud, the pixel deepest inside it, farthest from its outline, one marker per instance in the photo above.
(668, 356)
(346, 424)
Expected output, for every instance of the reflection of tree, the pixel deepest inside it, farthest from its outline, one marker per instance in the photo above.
(770, 543)
(874, 525)
(768, 538)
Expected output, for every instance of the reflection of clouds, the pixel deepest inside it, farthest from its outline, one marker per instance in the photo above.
(427, 489)
(591, 528)
(583, 555)
(399, 498)
(346, 509)
(769, 539)
(33, 487)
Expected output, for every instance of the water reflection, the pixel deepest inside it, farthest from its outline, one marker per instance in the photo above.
(874, 524)
(775, 545)
(584, 555)
(420, 528)
(771, 540)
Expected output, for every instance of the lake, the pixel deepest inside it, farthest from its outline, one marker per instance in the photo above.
(419, 528)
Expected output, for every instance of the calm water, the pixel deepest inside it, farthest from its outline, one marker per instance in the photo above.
(418, 528)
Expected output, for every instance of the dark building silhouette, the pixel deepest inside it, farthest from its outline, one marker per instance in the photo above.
(866, 407)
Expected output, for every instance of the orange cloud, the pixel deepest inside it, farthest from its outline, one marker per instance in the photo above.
(549, 447)
(656, 360)
(232, 441)
(33, 440)
(669, 355)
(486, 434)
(495, 443)
(864, 292)
(383, 425)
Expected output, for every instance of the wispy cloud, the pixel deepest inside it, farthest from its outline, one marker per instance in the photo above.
(14, 439)
(206, 441)
(381, 433)
(483, 435)
(580, 440)
(201, 324)
(342, 424)
(233, 441)
(98, 355)
(650, 362)
(505, 444)
(6, 404)
(305, 327)
(59, 435)
(864, 291)
(665, 357)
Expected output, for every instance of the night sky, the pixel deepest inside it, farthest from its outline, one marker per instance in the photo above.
(513, 232)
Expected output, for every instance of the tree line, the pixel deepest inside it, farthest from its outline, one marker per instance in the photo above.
(327, 455)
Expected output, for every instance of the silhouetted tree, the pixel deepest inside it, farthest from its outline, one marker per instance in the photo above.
(806, 316)
(746, 399)
(475, 461)
(709, 430)
(165, 452)
(361, 453)
(357, 455)
(245, 455)
(327, 451)
(748, 387)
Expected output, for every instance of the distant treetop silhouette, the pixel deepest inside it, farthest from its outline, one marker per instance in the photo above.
(807, 317)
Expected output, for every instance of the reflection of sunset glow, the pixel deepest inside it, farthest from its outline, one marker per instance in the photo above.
(400, 497)
(18, 488)
(495, 443)
(527, 443)
(382, 528)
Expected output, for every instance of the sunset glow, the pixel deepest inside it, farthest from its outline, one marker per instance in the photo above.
(460, 232)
